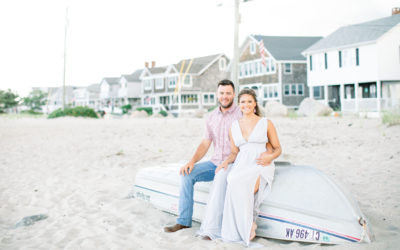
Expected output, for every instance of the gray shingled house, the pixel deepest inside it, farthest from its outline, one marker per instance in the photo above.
(282, 74)
(198, 76)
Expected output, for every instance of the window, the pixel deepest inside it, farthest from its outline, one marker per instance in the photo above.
(317, 92)
(209, 98)
(159, 82)
(252, 48)
(270, 91)
(172, 81)
(340, 59)
(256, 68)
(288, 68)
(147, 84)
(189, 99)
(300, 90)
(310, 63)
(222, 63)
(294, 89)
(187, 81)
(326, 61)
(164, 100)
(287, 89)
(357, 57)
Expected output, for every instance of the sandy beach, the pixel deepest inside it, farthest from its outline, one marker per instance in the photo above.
(80, 172)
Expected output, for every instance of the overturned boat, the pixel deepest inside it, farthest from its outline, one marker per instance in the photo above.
(303, 205)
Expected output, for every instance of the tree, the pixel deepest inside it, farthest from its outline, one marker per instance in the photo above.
(7, 100)
(35, 100)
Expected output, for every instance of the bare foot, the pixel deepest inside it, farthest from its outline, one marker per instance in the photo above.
(253, 231)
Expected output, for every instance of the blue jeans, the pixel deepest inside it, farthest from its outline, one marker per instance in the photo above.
(203, 171)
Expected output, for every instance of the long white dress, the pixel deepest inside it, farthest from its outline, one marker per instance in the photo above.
(241, 204)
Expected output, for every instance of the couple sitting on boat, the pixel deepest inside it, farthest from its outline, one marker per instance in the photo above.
(245, 145)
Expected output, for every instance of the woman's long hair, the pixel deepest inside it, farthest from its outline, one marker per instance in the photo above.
(254, 95)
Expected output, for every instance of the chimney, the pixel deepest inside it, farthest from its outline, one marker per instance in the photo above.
(395, 11)
(153, 64)
(146, 64)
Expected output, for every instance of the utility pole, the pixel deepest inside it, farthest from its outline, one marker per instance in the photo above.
(65, 52)
(235, 63)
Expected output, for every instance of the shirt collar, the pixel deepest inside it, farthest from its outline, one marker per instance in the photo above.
(230, 110)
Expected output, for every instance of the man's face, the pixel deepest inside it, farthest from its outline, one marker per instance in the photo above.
(225, 95)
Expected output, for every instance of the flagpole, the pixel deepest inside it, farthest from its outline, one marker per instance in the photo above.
(65, 52)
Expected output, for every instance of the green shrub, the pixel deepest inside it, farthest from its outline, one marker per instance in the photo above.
(211, 109)
(149, 110)
(292, 114)
(31, 112)
(126, 108)
(75, 112)
(391, 118)
(163, 113)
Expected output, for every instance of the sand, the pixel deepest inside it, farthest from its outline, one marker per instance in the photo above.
(80, 172)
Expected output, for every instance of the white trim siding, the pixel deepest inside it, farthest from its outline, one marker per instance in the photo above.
(256, 68)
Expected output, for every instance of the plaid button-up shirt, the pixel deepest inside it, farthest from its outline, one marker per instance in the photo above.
(217, 130)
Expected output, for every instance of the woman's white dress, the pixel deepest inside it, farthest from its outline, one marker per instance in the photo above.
(241, 204)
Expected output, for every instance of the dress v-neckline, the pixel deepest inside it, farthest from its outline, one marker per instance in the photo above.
(251, 133)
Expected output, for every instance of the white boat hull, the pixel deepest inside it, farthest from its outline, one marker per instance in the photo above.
(303, 205)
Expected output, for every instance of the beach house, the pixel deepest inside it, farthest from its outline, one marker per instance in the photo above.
(184, 87)
(87, 96)
(357, 67)
(130, 90)
(275, 68)
(109, 87)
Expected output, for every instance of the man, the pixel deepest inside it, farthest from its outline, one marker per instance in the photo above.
(217, 132)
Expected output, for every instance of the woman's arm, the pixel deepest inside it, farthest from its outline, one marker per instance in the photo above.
(267, 157)
(231, 157)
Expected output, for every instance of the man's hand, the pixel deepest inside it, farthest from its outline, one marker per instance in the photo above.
(265, 159)
(223, 165)
(187, 168)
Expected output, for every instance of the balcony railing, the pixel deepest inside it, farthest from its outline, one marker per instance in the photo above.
(370, 104)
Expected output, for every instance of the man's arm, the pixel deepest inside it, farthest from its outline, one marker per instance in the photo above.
(198, 155)
(267, 157)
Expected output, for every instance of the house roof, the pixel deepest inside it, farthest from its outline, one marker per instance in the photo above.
(94, 88)
(356, 33)
(198, 64)
(157, 70)
(287, 47)
(135, 75)
(111, 80)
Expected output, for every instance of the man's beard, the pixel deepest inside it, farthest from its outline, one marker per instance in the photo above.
(226, 106)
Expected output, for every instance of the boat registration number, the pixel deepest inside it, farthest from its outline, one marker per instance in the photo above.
(305, 234)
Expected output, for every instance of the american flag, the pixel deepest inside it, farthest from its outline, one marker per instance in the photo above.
(262, 52)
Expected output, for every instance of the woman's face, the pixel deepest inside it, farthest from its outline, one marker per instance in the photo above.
(247, 104)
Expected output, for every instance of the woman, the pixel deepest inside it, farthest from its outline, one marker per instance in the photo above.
(247, 180)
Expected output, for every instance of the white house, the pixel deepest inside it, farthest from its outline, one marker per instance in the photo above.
(87, 96)
(130, 91)
(357, 67)
(109, 87)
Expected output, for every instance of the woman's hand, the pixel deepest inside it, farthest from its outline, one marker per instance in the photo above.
(223, 165)
(265, 159)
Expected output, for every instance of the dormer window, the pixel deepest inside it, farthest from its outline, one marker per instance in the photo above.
(252, 48)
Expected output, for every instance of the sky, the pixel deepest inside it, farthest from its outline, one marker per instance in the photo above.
(108, 38)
